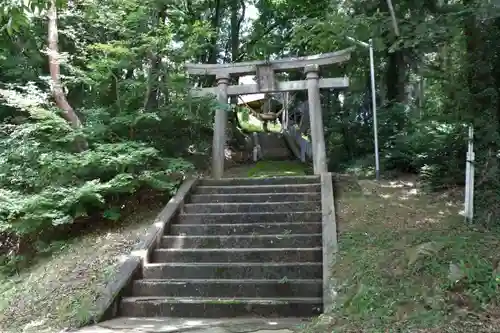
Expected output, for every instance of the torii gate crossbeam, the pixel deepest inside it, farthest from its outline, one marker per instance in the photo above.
(267, 83)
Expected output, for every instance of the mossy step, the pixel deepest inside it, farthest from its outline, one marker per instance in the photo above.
(261, 181)
(261, 217)
(256, 207)
(213, 307)
(229, 288)
(246, 228)
(242, 241)
(261, 188)
(240, 270)
(255, 197)
(314, 254)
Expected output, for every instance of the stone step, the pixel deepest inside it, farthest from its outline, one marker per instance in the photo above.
(219, 307)
(257, 189)
(255, 197)
(232, 288)
(236, 218)
(260, 181)
(246, 229)
(276, 141)
(248, 270)
(281, 207)
(277, 154)
(238, 255)
(242, 241)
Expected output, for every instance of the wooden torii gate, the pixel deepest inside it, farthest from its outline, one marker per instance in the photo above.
(266, 83)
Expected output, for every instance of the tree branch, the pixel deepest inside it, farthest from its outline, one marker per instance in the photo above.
(393, 17)
(256, 39)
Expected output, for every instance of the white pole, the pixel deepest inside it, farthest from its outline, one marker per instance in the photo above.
(374, 107)
(469, 200)
(369, 45)
(467, 184)
(471, 191)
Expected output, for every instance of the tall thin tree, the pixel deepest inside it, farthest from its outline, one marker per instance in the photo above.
(55, 74)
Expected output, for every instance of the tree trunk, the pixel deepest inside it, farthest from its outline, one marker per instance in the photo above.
(236, 20)
(216, 20)
(396, 74)
(57, 91)
(483, 71)
(393, 17)
(153, 85)
(396, 77)
(211, 55)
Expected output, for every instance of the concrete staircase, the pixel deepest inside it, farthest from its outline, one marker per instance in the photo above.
(239, 247)
(274, 147)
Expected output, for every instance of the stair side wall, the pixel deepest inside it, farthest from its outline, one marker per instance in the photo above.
(329, 235)
(131, 267)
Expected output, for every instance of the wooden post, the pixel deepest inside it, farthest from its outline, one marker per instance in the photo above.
(220, 128)
(315, 115)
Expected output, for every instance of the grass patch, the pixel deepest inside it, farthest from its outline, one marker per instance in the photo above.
(60, 291)
(408, 263)
(263, 169)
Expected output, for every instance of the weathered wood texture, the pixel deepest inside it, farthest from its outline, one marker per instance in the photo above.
(279, 65)
(247, 89)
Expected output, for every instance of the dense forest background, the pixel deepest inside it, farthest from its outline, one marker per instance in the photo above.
(95, 105)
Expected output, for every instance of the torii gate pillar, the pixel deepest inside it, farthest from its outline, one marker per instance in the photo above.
(316, 119)
(220, 124)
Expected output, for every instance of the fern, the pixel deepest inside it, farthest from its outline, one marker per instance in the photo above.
(421, 251)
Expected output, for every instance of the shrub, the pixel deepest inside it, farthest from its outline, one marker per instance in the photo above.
(435, 150)
(45, 183)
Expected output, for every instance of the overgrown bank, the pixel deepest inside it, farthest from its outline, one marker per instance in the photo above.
(408, 263)
(45, 185)
(59, 291)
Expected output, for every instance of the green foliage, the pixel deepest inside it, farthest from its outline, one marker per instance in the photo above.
(44, 183)
(434, 149)
(421, 251)
(477, 278)
(120, 69)
(447, 268)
